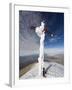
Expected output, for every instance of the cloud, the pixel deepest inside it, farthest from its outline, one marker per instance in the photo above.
(54, 51)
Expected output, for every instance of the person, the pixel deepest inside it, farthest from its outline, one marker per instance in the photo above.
(41, 33)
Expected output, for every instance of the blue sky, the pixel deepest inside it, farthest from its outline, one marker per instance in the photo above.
(54, 22)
